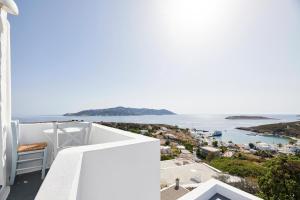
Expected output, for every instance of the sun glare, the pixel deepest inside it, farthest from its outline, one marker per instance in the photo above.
(191, 20)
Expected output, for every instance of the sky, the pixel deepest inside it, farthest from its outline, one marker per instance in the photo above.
(188, 56)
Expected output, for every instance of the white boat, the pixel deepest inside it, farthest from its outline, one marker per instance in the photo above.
(217, 133)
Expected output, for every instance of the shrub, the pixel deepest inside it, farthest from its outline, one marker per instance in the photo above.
(251, 145)
(215, 143)
(281, 180)
(166, 157)
(188, 146)
(264, 154)
(235, 166)
(223, 149)
(200, 154)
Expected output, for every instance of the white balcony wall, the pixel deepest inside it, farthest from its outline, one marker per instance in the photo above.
(129, 171)
(102, 134)
(127, 167)
(33, 133)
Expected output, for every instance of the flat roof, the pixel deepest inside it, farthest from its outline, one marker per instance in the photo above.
(171, 194)
(190, 173)
(211, 149)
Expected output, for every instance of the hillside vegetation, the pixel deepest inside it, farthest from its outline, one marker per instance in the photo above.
(291, 129)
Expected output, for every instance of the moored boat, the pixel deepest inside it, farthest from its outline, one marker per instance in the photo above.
(217, 133)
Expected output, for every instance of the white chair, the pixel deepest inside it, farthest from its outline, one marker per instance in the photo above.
(26, 153)
(70, 134)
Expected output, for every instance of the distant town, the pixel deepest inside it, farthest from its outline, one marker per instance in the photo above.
(186, 152)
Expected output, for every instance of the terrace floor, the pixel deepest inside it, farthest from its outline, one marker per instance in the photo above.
(26, 186)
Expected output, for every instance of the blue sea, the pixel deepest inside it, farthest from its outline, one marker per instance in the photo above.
(203, 122)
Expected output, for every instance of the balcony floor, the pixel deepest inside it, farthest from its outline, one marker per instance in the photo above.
(26, 186)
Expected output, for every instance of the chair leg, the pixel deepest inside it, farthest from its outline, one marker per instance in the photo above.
(13, 169)
(44, 163)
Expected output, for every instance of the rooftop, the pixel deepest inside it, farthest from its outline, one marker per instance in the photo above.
(189, 173)
(217, 190)
(171, 193)
(210, 149)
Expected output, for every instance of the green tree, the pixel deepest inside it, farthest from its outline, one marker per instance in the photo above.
(215, 143)
(251, 145)
(223, 149)
(281, 180)
(200, 154)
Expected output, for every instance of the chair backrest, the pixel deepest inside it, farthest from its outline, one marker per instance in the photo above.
(84, 129)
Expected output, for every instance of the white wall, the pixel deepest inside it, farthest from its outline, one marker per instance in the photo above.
(5, 92)
(115, 165)
(33, 133)
(129, 171)
(102, 134)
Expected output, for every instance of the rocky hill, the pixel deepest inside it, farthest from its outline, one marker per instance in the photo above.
(247, 117)
(121, 111)
(291, 129)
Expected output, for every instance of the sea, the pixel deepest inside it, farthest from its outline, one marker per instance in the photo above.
(206, 122)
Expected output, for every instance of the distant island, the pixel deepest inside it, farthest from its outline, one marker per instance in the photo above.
(291, 129)
(238, 117)
(121, 111)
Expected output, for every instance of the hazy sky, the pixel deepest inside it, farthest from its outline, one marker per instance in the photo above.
(189, 56)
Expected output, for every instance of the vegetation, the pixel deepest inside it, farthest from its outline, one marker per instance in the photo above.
(238, 166)
(188, 146)
(223, 149)
(215, 143)
(175, 151)
(251, 145)
(264, 154)
(200, 154)
(291, 129)
(205, 143)
(273, 179)
(166, 157)
(281, 180)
